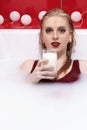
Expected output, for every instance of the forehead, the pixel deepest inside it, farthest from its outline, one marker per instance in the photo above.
(56, 21)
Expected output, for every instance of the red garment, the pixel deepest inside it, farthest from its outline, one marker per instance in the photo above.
(72, 76)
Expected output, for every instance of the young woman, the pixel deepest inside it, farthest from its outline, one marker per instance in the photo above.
(57, 33)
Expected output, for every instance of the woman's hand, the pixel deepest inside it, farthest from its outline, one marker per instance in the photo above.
(42, 71)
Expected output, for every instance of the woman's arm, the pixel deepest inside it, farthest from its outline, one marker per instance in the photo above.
(83, 66)
(27, 66)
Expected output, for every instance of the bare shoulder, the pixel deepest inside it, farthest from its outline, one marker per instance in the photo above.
(83, 66)
(26, 66)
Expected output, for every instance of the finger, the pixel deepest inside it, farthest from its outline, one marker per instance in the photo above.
(47, 77)
(47, 73)
(42, 62)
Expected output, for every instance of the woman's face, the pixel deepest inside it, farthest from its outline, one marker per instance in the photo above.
(56, 33)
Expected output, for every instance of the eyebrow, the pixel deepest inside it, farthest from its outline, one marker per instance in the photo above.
(62, 27)
(58, 27)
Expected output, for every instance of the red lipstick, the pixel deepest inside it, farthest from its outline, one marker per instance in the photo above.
(55, 44)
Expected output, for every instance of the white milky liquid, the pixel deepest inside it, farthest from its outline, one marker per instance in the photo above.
(51, 57)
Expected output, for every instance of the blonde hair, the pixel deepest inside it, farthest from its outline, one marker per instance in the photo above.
(62, 13)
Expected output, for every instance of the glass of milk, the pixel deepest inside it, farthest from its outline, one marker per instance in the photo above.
(51, 56)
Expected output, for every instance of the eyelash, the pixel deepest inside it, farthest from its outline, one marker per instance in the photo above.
(48, 30)
(60, 30)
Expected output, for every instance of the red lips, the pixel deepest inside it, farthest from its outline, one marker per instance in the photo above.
(55, 44)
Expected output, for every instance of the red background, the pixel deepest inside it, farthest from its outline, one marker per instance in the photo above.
(33, 7)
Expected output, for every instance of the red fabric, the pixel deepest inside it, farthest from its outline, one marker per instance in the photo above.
(72, 76)
(34, 65)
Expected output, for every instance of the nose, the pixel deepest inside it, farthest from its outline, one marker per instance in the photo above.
(55, 35)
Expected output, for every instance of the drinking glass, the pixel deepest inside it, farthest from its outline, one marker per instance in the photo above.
(51, 56)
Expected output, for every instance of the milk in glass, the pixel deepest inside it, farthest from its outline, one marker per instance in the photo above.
(51, 56)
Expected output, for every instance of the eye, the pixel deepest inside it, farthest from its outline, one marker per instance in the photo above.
(62, 30)
(48, 30)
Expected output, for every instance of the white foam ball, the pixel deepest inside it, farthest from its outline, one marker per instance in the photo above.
(14, 16)
(26, 19)
(76, 16)
(1, 19)
(41, 14)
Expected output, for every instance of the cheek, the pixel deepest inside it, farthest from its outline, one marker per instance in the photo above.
(46, 41)
(66, 39)
(45, 38)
